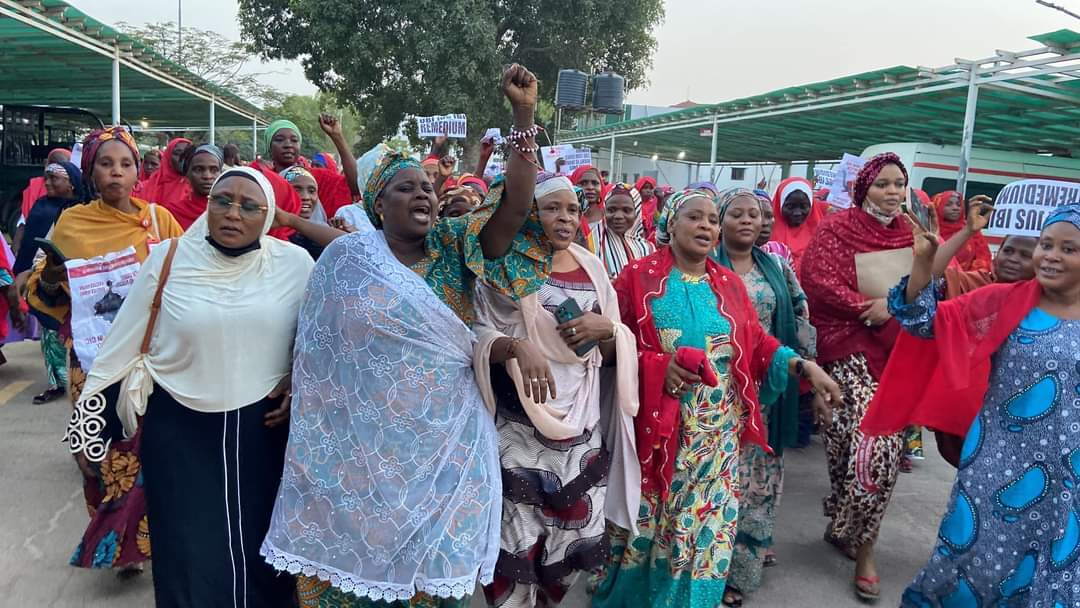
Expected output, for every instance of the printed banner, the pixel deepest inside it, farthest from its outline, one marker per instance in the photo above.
(843, 182)
(450, 125)
(574, 157)
(98, 288)
(823, 178)
(1021, 207)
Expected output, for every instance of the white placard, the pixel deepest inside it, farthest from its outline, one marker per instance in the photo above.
(494, 135)
(98, 287)
(823, 178)
(574, 157)
(450, 125)
(1021, 207)
(843, 183)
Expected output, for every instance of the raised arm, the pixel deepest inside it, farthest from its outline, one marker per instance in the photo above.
(925, 247)
(320, 234)
(978, 218)
(332, 127)
(520, 87)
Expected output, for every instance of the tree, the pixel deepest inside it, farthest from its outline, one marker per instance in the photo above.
(394, 60)
(208, 55)
(304, 110)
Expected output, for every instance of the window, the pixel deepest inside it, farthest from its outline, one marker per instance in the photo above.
(738, 174)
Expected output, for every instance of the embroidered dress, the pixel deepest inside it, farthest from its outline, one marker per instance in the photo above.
(403, 339)
(1011, 533)
(681, 557)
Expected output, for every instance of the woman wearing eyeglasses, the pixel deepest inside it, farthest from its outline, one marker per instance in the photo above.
(198, 364)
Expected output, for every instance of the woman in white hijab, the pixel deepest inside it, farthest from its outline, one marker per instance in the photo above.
(564, 401)
(198, 362)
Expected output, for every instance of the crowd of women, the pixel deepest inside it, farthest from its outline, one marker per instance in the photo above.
(387, 385)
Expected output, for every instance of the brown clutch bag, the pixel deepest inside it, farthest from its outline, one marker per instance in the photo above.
(879, 271)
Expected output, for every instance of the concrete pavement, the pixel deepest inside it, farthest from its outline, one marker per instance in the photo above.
(43, 517)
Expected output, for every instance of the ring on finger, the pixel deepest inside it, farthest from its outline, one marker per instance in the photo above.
(573, 331)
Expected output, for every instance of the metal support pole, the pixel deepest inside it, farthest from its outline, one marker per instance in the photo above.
(611, 164)
(213, 119)
(785, 170)
(558, 125)
(712, 152)
(116, 86)
(969, 132)
(254, 138)
(810, 170)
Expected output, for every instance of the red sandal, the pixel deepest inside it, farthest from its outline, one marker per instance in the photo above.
(871, 593)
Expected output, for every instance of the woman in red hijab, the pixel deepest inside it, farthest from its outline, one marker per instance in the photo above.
(168, 186)
(855, 336)
(951, 217)
(646, 186)
(797, 215)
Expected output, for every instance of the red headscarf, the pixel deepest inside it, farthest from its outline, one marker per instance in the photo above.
(796, 238)
(327, 160)
(167, 186)
(941, 383)
(465, 180)
(975, 255)
(648, 206)
(580, 172)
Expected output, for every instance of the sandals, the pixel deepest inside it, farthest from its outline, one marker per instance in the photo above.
(770, 560)
(50, 394)
(868, 588)
(130, 572)
(733, 598)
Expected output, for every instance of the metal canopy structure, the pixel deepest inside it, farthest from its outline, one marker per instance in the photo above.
(54, 54)
(1022, 101)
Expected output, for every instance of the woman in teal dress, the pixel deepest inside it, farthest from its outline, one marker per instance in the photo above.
(391, 492)
(1005, 359)
(701, 355)
(782, 310)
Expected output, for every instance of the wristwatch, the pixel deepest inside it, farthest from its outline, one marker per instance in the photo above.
(800, 368)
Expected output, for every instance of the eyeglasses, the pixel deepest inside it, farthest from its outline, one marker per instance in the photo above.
(248, 209)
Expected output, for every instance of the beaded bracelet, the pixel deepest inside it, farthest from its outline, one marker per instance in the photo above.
(516, 134)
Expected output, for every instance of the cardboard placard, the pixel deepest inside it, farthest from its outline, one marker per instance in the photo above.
(451, 125)
(1021, 207)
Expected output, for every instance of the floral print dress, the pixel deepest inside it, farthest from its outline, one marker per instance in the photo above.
(681, 557)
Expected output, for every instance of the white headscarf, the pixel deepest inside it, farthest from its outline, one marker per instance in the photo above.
(223, 337)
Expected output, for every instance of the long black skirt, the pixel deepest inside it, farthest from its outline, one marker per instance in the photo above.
(211, 481)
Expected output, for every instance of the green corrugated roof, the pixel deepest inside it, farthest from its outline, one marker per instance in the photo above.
(817, 121)
(53, 55)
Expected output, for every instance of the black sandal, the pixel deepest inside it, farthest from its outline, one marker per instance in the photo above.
(50, 394)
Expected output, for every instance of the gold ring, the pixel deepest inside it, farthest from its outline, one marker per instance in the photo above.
(573, 331)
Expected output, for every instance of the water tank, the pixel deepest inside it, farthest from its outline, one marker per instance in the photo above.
(608, 93)
(570, 89)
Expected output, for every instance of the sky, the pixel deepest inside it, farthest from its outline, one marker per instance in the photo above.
(719, 50)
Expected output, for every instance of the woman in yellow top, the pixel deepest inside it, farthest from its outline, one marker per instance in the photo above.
(118, 535)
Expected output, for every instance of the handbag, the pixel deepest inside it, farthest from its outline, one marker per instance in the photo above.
(879, 271)
(155, 306)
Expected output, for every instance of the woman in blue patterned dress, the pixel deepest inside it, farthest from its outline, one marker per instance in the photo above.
(1011, 534)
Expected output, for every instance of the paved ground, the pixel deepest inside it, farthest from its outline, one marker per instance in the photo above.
(43, 517)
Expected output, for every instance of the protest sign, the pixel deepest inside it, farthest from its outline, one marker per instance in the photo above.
(494, 135)
(823, 178)
(574, 157)
(843, 182)
(1021, 207)
(450, 125)
(98, 287)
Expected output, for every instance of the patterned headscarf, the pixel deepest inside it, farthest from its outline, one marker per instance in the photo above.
(294, 172)
(56, 169)
(637, 227)
(1064, 213)
(92, 144)
(210, 149)
(278, 125)
(671, 209)
(389, 166)
(729, 195)
(870, 171)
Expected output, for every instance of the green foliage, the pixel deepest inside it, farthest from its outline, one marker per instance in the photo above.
(394, 60)
(208, 55)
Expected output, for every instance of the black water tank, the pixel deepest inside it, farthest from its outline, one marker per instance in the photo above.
(608, 93)
(570, 90)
